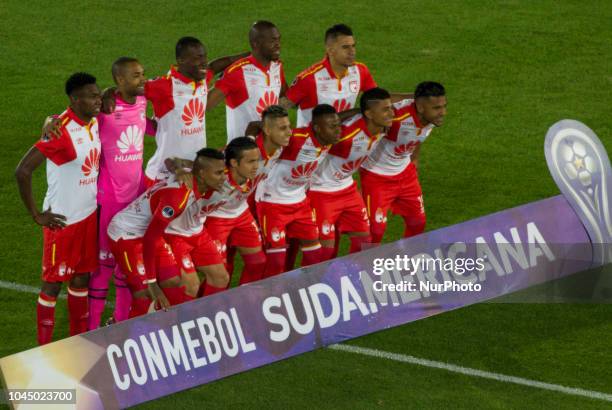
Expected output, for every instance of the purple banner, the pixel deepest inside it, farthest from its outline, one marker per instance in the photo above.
(250, 326)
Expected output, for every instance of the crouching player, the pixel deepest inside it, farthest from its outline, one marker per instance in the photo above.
(333, 193)
(137, 242)
(191, 244)
(282, 206)
(233, 225)
(389, 177)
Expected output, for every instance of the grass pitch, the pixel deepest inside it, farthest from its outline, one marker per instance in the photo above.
(511, 70)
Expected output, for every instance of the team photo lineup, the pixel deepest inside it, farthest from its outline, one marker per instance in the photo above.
(169, 230)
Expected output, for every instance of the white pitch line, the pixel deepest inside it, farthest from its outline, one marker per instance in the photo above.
(34, 290)
(472, 372)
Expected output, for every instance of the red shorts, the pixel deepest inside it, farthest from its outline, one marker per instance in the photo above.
(194, 251)
(128, 254)
(72, 249)
(343, 209)
(401, 193)
(231, 232)
(279, 221)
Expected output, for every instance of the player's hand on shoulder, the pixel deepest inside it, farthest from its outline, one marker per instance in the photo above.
(108, 100)
(50, 220)
(51, 128)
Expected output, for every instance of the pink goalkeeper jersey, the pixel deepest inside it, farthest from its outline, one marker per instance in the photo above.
(121, 135)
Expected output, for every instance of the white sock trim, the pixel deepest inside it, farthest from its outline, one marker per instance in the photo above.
(311, 248)
(46, 302)
(78, 293)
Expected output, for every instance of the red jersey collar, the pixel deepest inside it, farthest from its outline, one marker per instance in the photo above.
(175, 73)
(327, 64)
(313, 138)
(259, 140)
(257, 64)
(76, 119)
(232, 182)
(194, 183)
(415, 116)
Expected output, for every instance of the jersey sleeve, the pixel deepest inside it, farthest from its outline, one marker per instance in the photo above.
(57, 150)
(367, 81)
(232, 85)
(159, 92)
(168, 204)
(303, 92)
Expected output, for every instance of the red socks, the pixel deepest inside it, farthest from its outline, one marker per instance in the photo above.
(275, 261)
(254, 266)
(327, 253)
(176, 295)
(211, 290)
(311, 254)
(414, 226)
(45, 317)
(78, 311)
(140, 306)
(357, 242)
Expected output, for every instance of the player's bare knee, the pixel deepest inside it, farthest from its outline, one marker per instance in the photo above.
(51, 288)
(80, 280)
(216, 275)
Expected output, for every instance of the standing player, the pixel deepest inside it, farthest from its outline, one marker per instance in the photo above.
(333, 193)
(232, 224)
(69, 210)
(137, 232)
(336, 80)
(389, 177)
(120, 180)
(282, 205)
(252, 83)
(179, 104)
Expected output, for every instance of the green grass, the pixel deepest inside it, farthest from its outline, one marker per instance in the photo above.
(511, 68)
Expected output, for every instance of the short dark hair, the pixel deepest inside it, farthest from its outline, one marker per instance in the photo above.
(77, 81)
(370, 96)
(337, 30)
(120, 63)
(258, 27)
(274, 111)
(236, 148)
(429, 89)
(209, 153)
(321, 110)
(184, 43)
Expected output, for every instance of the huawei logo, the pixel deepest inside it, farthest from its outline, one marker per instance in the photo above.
(304, 170)
(351, 166)
(269, 98)
(405, 148)
(92, 162)
(130, 139)
(193, 111)
(341, 105)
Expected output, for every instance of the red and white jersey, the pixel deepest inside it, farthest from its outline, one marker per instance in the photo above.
(290, 177)
(236, 197)
(165, 200)
(73, 162)
(249, 89)
(179, 105)
(319, 84)
(266, 162)
(392, 154)
(345, 157)
(191, 222)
